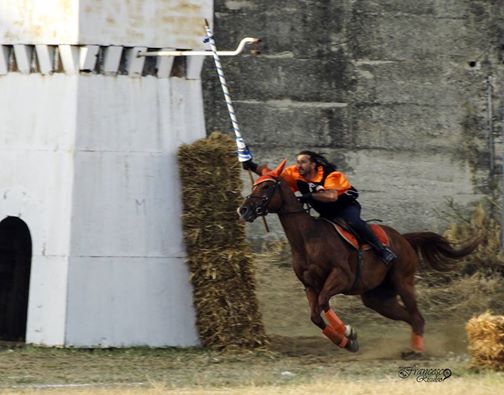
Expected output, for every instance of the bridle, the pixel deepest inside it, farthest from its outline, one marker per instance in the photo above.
(261, 209)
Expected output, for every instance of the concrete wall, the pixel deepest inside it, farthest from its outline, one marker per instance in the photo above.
(89, 142)
(392, 91)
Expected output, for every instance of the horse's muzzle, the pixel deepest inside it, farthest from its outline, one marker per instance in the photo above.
(247, 213)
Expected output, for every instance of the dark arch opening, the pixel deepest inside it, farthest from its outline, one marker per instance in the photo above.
(15, 265)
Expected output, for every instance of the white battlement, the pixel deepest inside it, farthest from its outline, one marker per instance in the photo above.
(111, 60)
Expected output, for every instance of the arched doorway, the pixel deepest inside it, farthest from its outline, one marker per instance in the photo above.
(15, 265)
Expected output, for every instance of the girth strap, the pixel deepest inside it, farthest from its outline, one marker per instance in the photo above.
(358, 270)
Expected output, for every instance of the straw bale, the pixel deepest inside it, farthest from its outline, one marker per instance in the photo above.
(486, 340)
(219, 257)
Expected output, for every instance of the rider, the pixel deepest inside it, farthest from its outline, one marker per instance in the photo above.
(329, 193)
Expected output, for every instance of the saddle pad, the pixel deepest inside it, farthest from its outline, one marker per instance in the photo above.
(352, 240)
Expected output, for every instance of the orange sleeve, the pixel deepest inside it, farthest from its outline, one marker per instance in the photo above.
(337, 181)
(290, 175)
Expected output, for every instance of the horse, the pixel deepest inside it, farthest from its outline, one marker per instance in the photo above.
(327, 265)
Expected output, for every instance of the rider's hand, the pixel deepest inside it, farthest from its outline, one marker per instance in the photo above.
(249, 165)
(306, 197)
(352, 193)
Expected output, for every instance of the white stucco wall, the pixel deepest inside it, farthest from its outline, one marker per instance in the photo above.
(129, 301)
(151, 23)
(154, 23)
(92, 170)
(36, 150)
(39, 22)
(127, 262)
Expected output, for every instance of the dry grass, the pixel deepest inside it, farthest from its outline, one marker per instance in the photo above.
(478, 385)
(488, 259)
(289, 361)
(462, 297)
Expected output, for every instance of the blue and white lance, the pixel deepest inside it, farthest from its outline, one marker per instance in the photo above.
(244, 153)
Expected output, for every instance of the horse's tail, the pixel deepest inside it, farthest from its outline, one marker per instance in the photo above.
(437, 251)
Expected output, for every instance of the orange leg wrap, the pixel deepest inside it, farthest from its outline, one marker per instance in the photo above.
(335, 337)
(335, 321)
(417, 343)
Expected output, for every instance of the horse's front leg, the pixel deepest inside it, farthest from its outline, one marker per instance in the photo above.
(315, 308)
(335, 335)
(334, 284)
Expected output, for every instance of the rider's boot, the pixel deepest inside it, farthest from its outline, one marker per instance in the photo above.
(385, 253)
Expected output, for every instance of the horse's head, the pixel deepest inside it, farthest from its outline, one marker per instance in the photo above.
(265, 196)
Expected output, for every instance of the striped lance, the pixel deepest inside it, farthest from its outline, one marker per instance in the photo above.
(244, 153)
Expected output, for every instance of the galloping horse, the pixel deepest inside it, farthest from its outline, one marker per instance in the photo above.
(328, 266)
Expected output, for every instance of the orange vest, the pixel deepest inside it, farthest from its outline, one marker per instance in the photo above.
(335, 180)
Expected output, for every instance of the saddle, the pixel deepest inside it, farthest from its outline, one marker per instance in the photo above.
(346, 232)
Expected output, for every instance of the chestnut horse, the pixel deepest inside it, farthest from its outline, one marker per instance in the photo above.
(327, 265)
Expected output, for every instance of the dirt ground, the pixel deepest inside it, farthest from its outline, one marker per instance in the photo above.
(287, 362)
(304, 357)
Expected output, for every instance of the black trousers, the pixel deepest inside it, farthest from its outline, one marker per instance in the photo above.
(351, 214)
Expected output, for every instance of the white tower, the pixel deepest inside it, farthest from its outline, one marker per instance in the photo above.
(88, 162)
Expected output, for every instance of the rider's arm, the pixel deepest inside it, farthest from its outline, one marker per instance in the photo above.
(335, 185)
(327, 195)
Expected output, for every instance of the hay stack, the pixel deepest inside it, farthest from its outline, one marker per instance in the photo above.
(219, 257)
(486, 340)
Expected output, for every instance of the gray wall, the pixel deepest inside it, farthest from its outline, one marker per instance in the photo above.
(393, 91)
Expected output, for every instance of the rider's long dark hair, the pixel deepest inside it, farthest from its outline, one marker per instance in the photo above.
(320, 160)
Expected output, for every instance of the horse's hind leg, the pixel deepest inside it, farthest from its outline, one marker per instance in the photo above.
(386, 303)
(407, 293)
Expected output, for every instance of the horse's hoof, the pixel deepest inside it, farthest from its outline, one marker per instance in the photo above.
(411, 355)
(350, 332)
(352, 345)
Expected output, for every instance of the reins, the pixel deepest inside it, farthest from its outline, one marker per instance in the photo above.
(302, 211)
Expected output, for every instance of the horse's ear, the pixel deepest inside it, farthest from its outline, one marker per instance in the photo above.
(278, 170)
